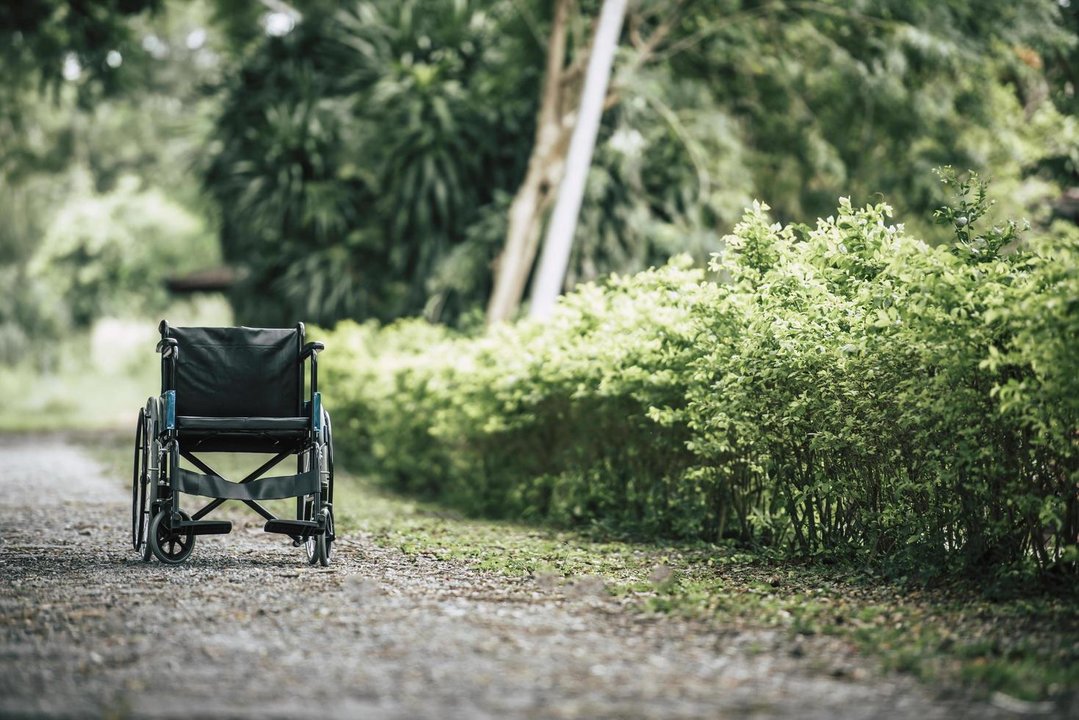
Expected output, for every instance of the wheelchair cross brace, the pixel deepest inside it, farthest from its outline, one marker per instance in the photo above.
(214, 485)
(211, 506)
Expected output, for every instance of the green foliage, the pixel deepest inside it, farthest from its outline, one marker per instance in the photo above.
(512, 423)
(971, 205)
(44, 42)
(32, 312)
(357, 152)
(384, 141)
(857, 387)
(864, 99)
(104, 253)
(99, 201)
(844, 389)
(364, 161)
(1061, 68)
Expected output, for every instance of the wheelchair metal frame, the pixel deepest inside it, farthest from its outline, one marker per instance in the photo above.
(160, 528)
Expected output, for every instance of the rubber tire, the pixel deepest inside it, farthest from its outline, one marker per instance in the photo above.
(140, 484)
(153, 414)
(155, 542)
(331, 531)
(329, 454)
(310, 543)
(319, 548)
(143, 495)
(323, 543)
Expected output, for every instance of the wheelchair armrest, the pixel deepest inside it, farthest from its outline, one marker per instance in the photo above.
(311, 349)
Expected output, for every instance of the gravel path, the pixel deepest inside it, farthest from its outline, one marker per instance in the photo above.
(247, 629)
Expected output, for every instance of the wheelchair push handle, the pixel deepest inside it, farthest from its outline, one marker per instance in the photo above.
(168, 346)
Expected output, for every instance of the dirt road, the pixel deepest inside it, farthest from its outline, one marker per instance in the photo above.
(247, 629)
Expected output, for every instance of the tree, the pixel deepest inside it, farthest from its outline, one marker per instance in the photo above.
(555, 120)
(868, 99)
(99, 200)
(558, 242)
(375, 161)
(358, 152)
(45, 42)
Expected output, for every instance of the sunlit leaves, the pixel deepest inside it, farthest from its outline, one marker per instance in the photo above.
(864, 99)
(98, 258)
(844, 389)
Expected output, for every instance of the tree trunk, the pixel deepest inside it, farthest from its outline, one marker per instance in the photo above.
(529, 207)
(555, 121)
(537, 192)
(551, 274)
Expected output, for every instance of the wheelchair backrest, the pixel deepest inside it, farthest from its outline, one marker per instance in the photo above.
(238, 371)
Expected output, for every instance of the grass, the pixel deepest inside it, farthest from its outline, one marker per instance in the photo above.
(66, 399)
(1025, 645)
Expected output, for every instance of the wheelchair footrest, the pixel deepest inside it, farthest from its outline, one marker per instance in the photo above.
(295, 528)
(207, 527)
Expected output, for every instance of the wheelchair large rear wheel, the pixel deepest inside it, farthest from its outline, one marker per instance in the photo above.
(169, 546)
(140, 486)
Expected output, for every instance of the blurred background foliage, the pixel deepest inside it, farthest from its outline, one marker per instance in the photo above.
(357, 160)
(386, 140)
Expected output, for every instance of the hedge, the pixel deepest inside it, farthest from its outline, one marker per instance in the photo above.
(844, 389)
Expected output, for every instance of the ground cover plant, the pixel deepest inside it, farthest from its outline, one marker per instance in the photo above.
(843, 390)
(1014, 641)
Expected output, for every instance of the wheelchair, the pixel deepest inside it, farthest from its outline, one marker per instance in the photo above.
(234, 390)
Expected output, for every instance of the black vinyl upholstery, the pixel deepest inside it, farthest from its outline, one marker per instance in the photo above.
(240, 424)
(239, 389)
(238, 372)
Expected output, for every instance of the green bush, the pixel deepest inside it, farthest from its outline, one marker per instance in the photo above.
(844, 389)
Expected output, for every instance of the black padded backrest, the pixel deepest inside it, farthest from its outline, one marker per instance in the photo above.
(238, 371)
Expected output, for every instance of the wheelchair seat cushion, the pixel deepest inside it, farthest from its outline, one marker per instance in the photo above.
(238, 372)
(241, 424)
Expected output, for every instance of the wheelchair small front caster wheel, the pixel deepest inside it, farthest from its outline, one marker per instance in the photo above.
(169, 546)
(320, 547)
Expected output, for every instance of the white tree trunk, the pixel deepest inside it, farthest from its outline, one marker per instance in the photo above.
(544, 172)
(559, 240)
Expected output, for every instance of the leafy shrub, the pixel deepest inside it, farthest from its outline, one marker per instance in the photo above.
(843, 389)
